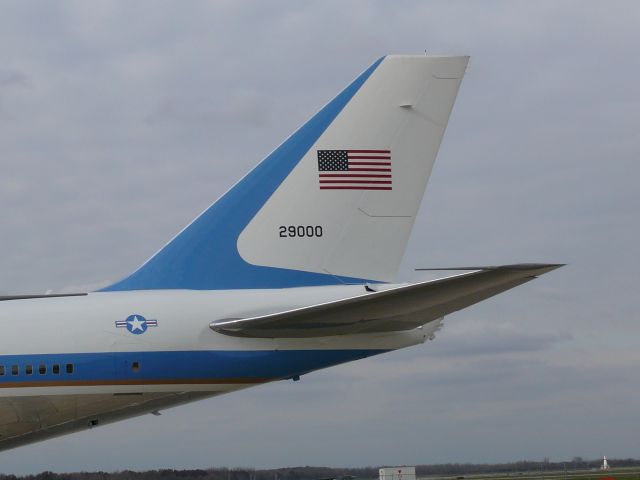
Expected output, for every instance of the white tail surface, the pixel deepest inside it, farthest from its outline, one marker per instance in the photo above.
(348, 207)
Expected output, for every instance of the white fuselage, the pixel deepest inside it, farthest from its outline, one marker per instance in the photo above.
(85, 345)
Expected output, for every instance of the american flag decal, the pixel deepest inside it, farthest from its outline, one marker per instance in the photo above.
(354, 169)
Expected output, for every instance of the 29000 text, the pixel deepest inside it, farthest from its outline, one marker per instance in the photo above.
(301, 231)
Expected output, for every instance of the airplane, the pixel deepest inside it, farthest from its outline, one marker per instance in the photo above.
(290, 271)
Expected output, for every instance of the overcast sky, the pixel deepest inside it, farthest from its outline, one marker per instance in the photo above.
(121, 121)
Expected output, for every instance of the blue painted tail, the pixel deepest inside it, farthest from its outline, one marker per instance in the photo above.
(204, 256)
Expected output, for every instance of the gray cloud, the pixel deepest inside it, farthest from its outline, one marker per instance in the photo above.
(13, 79)
(120, 122)
(243, 107)
(491, 339)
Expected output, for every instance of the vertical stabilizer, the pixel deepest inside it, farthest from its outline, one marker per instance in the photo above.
(335, 203)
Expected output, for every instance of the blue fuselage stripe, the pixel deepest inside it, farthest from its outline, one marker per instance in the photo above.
(259, 365)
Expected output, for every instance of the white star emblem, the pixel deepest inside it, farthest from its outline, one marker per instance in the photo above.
(136, 324)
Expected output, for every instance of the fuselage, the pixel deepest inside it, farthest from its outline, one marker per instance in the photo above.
(160, 341)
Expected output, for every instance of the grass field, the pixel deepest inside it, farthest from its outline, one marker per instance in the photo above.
(632, 473)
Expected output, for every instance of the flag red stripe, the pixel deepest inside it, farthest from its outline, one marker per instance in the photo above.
(353, 188)
(379, 164)
(357, 181)
(369, 169)
(373, 175)
(368, 151)
(369, 157)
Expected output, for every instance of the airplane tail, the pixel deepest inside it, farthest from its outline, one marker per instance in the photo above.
(335, 203)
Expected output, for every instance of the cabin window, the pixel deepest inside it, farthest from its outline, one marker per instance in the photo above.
(42, 369)
(56, 369)
(135, 367)
(28, 369)
(1, 370)
(15, 370)
(69, 368)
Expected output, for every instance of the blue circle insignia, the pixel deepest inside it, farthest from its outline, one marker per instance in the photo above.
(137, 324)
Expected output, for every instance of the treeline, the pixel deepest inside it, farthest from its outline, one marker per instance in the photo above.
(316, 473)
(577, 463)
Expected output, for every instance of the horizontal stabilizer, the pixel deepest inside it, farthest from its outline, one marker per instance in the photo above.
(401, 308)
(518, 266)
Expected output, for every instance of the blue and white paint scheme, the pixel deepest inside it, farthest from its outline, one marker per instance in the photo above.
(290, 271)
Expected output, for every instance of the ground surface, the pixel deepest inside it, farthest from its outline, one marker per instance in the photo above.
(631, 473)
